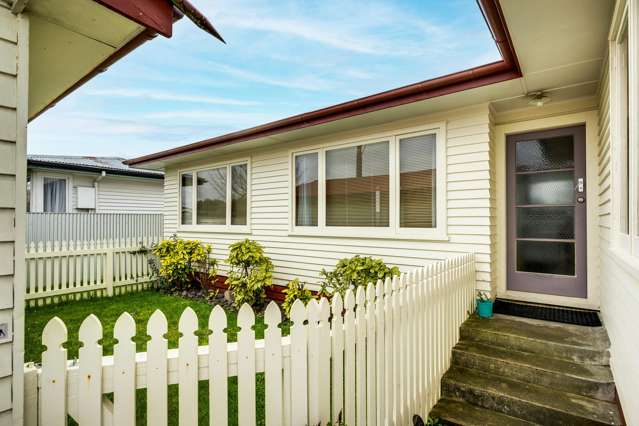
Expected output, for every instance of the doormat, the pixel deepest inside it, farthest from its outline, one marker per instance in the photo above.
(547, 313)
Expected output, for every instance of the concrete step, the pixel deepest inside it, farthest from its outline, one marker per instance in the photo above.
(461, 413)
(562, 341)
(594, 381)
(534, 403)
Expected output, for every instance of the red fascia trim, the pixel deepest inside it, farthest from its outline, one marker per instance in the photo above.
(154, 14)
(506, 69)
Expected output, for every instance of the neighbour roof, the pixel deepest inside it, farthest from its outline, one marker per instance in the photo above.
(506, 69)
(110, 165)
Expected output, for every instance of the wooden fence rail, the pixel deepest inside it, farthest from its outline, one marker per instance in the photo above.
(376, 358)
(60, 270)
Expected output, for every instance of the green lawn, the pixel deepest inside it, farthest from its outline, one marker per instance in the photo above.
(140, 305)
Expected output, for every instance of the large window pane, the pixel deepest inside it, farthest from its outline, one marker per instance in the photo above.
(417, 177)
(545, 154)
(545, 188)
(357, 186)
(186, 188)
(238, 194)
(306, 177)
(211, 197)
(55, 195)
(546, 222)
(546, 257)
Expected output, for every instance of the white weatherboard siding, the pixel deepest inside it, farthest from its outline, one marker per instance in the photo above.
(470, 213)
(121, 194)
(619, 270)
(13, 122)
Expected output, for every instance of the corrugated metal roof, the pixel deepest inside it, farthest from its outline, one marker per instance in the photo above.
(114, 165)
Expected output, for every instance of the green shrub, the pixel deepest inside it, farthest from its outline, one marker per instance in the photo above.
(294, 291)
(354, 272)
(251, 272)
(181, 264)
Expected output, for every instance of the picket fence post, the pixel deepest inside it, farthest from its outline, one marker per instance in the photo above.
(108, 269)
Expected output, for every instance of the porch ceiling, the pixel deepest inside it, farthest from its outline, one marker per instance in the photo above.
(560, 46)
(68, 39)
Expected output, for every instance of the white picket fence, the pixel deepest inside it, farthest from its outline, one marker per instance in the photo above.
(377, 360)
(62, 270)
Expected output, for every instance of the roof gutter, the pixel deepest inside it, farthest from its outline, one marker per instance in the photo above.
(79, 168)
(506, 69)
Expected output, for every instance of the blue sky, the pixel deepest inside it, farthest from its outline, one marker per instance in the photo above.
(283, 57)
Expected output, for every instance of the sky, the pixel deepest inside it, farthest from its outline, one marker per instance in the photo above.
(283, 58)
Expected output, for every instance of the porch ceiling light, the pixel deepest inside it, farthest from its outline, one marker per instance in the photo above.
(538, 99)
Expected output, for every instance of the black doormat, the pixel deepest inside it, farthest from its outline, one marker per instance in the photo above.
(547, 313)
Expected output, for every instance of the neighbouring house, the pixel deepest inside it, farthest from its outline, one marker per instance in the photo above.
(49, 48)
(71, 184)
(531, 163)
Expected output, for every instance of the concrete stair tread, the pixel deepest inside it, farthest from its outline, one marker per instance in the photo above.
(465, 414)
(542, 401)
(546, 331)
(592, 373)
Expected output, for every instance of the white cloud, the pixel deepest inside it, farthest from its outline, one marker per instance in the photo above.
(159, 95)
(236, 120)
(306, 82)
(374, 28)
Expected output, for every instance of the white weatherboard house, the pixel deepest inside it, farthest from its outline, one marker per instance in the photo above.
(71, 184)
(531, 163)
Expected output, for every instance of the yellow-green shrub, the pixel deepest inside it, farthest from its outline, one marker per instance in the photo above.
(294, 291)
(251, 272)
(183, 263)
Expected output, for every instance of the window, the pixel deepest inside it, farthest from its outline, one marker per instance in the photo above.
(306, 189)
(186, 195)
(624, 134)
(28, 193)
(55, 195)
(377, 188)
(357, 185)
(215, 197)
(417, 206)
(239, 194)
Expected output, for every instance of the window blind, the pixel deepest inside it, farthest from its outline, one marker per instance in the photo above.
(417, 176)
(357, 186)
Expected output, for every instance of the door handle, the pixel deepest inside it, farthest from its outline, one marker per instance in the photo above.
(580, 185)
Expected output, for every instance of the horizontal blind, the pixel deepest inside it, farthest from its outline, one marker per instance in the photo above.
(357, 185)
(417, 178)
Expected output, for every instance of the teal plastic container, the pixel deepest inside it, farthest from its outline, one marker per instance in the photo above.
(485, 309)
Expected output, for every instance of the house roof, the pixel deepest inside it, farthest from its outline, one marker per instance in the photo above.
(506, 69)
(110, 165)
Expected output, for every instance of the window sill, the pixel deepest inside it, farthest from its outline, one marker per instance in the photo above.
(214, 229)
(368, 235)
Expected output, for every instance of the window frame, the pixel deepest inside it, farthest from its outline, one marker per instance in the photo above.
(628, 23)
(393, 231)
(227, 227)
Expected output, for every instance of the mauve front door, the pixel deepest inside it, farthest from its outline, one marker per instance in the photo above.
(546, 197)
